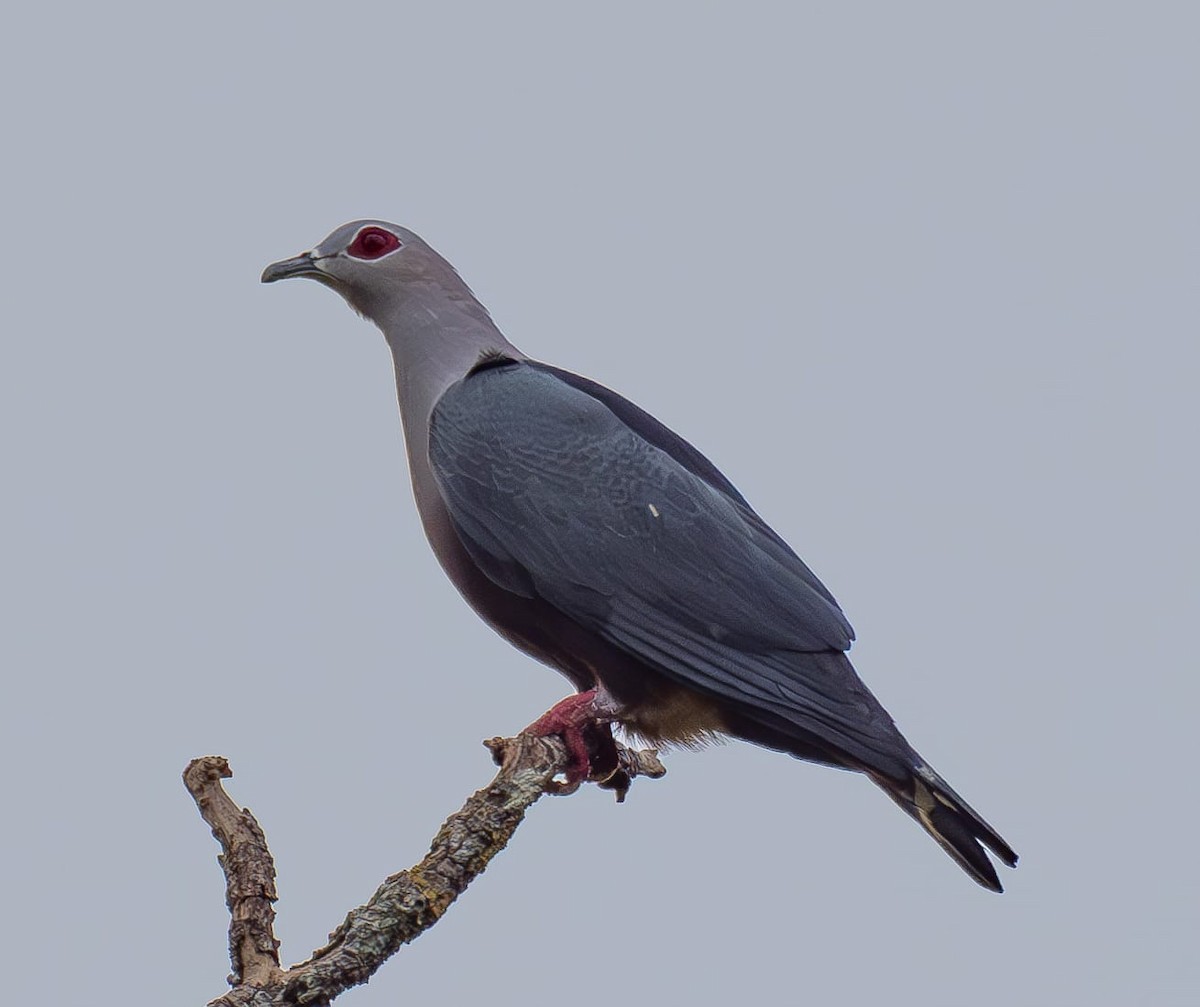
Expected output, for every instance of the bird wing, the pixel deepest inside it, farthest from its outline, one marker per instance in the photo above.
(558, 495)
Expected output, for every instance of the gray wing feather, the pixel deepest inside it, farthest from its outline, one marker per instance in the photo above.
(555, 496)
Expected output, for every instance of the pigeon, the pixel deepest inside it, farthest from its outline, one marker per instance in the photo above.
(600, 542)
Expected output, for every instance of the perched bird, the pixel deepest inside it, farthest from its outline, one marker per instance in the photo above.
(602, 543)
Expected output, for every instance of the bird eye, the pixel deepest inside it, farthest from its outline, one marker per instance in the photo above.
(373, 243)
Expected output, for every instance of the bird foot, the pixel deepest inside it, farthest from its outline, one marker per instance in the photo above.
(584, 722)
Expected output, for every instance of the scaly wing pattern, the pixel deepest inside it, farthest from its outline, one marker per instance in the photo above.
(558, 495)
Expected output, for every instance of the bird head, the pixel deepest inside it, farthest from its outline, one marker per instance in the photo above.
(366, 261)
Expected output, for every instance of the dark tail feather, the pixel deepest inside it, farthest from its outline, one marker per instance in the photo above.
(951, 821)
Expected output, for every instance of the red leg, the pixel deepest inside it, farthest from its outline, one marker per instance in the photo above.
(572, 719)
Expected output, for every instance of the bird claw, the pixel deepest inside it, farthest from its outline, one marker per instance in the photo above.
(582, 723)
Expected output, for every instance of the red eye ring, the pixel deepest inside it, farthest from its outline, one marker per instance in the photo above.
(373, 243)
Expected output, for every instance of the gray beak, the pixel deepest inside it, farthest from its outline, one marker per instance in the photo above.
(300, 265)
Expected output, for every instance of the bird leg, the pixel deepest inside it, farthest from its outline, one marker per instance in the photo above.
(584, 722)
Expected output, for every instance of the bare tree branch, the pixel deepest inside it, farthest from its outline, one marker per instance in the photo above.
(249, 874)
(406, 904)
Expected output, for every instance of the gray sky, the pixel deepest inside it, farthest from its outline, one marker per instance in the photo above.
(921, 279)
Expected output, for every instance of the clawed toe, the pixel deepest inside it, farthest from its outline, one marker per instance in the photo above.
(582, 723)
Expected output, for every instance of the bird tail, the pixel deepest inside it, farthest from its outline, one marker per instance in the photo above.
(953, 823)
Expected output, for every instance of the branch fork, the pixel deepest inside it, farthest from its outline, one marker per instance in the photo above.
(407, 903)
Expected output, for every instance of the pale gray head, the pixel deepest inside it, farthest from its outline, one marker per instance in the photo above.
(435, 327)
(380, 269)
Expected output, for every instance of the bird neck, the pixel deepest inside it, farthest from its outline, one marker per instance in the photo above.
(436, 336)
(436, 333)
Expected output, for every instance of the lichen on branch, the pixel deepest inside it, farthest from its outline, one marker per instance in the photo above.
(406, 904)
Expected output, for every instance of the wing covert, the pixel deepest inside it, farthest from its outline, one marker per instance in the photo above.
(556, 496)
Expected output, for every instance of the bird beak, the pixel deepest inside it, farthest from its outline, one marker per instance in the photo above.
(300, 265)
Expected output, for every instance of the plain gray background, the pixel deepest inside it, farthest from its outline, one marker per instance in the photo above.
(920, 277)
